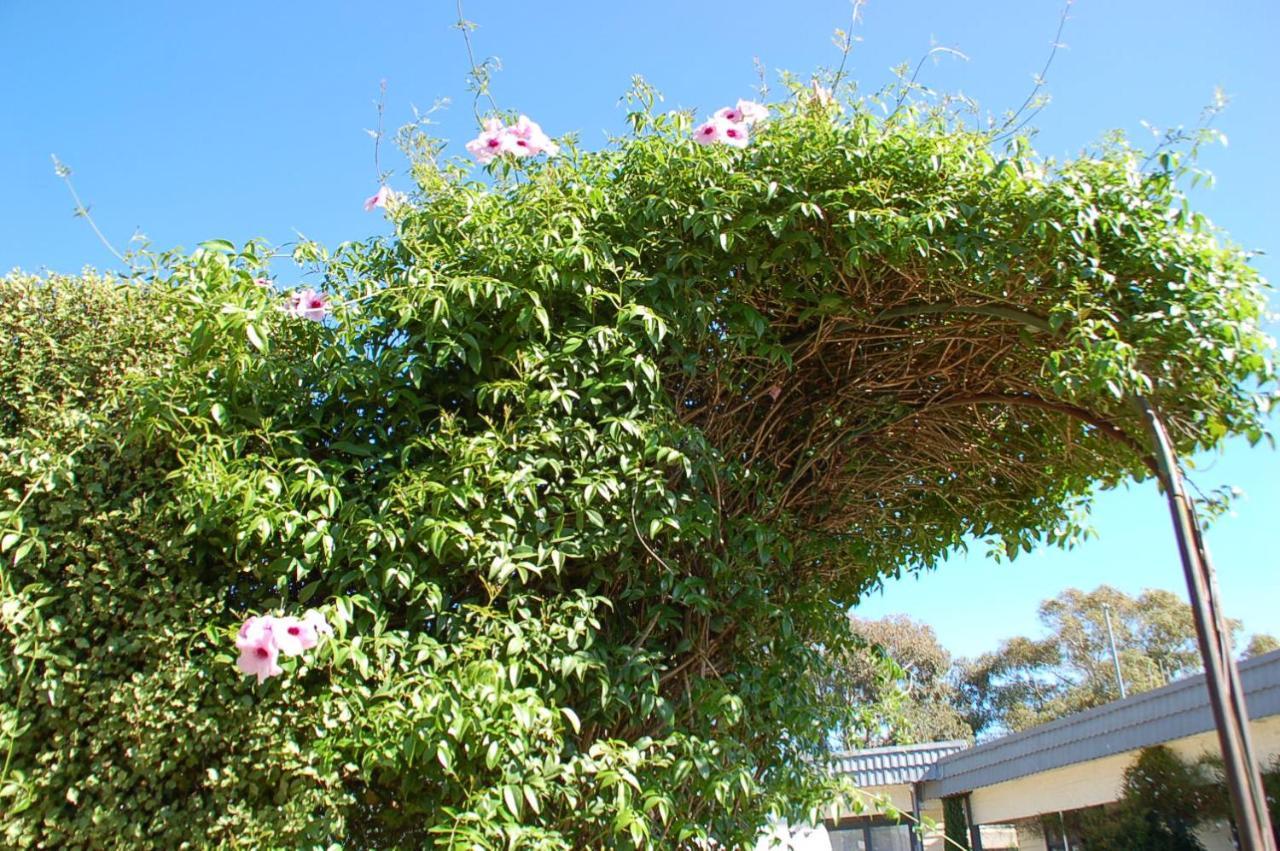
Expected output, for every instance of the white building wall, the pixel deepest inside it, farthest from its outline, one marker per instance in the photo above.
(1098, 781)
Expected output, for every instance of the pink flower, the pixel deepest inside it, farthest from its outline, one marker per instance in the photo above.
(293, 636)
(492, 142)
(385, 198)
(747, 112)
(735, 135)
(258, 648)
(822, 94)
(317, 622)
(535, 141)
(262, 282)
(308, 304)
(721, 130)
(752, 112)
(710, 132)
(522, 139)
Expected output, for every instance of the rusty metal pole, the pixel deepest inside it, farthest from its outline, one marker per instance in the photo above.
(1226, 697)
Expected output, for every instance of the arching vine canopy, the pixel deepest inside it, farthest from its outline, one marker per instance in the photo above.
(585, 468)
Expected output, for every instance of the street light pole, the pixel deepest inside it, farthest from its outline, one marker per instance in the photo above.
(1226, 696)
(1115, 657)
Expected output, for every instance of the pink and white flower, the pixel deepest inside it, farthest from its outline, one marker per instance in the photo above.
(729, 113)
(385, 197)
(736, 135)
(522, 139)
(308, 304)
(317, 622)
(262, 282)
(530, 134)
(752, 112)
(709, 132)
(259, 649)
(822, 94)
(493, 141)
(293, 635)
(723, 131)
(747, 112)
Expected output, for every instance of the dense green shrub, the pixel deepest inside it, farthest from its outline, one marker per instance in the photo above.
(1164, 800)
(585, 468)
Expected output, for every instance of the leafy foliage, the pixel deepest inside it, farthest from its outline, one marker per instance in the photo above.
(955, 822)
(1163, 801)
(1261, 643)
(585, 470)
(900, 678)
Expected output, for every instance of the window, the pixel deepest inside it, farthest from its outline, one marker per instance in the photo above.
(1062, 830)
(869, 834)
(848, 838)
(895, 837)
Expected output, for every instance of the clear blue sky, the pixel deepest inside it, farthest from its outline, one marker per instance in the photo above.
(238, 119)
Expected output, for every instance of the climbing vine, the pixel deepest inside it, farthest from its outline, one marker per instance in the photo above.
(583, 467)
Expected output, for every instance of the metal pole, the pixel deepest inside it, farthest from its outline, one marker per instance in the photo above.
(1115, 657)
(1226, 697)
(975, 830)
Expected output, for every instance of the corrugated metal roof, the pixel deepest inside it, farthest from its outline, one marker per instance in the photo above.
(1172, 712)
(893, 765)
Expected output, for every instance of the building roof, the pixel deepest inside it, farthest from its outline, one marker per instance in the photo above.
(894, 765)
(1151, 718)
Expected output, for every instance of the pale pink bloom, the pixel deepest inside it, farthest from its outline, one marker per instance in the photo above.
(520, 148)
(308, 304)
(710, 132)
(729, 113)
(384, 198)
(528, 134)
(720, 129)
(751, 112)
(293, 636)
(822, 94)
(253, 626)
(492, 142)
(259, 650)
(318, 624)
(262, 282)
(735, 134)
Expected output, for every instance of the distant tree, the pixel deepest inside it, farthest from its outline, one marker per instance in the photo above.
(900, 673)
(1029, 681)
(1261, 643)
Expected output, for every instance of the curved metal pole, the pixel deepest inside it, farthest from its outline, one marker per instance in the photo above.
(1226, 696)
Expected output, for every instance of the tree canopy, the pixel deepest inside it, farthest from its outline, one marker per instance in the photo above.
(1029, 681)
(901, 678)
(585, 465)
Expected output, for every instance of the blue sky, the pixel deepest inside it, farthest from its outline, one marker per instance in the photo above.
(237, 119)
